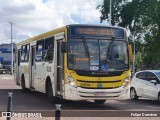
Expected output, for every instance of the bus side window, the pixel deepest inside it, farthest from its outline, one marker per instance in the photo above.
(49, 43)
(25, 53)
(49, 49)
(39, 50)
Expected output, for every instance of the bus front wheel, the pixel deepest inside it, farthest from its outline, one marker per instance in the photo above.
(99, 101)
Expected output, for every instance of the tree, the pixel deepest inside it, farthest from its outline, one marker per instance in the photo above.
(142, 19)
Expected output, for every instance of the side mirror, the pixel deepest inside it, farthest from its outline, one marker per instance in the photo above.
(153, 81)
(130, 54)
(64, 47)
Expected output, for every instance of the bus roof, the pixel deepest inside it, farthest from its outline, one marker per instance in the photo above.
(94, 25)
(41, 36)
(61, 29)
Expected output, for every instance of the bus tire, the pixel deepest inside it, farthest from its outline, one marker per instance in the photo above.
(99, 101)
(24, 89)
(49, 92)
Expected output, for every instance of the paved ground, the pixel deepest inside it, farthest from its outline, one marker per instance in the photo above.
(37, 102)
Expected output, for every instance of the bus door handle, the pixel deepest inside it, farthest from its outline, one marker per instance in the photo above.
(59, 66)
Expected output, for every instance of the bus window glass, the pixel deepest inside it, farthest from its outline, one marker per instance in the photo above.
(39, 55)
(23, 53)
(40, 45)
(93, 55)
(49, 55)
(39, 50)
(49, 49)
(93, 49)
(49, 43)
(77, 58)
(118, 59)
(27, 52)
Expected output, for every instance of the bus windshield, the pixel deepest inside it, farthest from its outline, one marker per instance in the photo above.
(97, 55)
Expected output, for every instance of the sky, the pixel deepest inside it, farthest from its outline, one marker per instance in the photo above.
(33, 17)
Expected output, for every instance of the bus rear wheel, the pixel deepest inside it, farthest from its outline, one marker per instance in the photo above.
(24, 89)
(49, 93)
(99, 101)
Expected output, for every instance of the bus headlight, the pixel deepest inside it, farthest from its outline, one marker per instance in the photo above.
(125, 82)
(71, 81)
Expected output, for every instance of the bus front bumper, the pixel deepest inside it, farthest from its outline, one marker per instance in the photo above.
(78, 93)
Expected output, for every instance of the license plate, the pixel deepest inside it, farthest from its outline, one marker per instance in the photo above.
(100, 93)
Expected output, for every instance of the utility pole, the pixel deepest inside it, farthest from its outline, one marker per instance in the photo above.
(11, 49)
(110, 13)
(134, 54)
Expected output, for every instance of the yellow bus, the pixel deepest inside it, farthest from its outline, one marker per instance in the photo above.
(76, 62)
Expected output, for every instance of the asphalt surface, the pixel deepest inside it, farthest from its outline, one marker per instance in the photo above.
(37, 102)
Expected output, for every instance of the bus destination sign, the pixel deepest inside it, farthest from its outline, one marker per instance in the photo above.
(93, 31)
(97, 31)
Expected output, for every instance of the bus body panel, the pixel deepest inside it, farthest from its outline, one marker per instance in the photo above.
(40, 72)
(90, 91)
(96, 94)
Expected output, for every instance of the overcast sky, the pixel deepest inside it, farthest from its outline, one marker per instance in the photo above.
(32, 17)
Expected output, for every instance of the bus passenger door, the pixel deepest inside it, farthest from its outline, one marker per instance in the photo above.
(33, 48)
(39, 76)
(60, 71)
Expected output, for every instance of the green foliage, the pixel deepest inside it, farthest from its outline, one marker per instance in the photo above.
(139, 60)
(142, 17)
(116, 7)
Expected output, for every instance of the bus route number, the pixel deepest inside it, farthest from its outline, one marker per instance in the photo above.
(85, 84)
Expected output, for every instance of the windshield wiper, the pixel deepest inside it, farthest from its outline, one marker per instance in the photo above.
(86, 47)
(110, 49)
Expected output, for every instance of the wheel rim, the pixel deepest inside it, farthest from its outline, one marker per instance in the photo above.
(132, 93)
